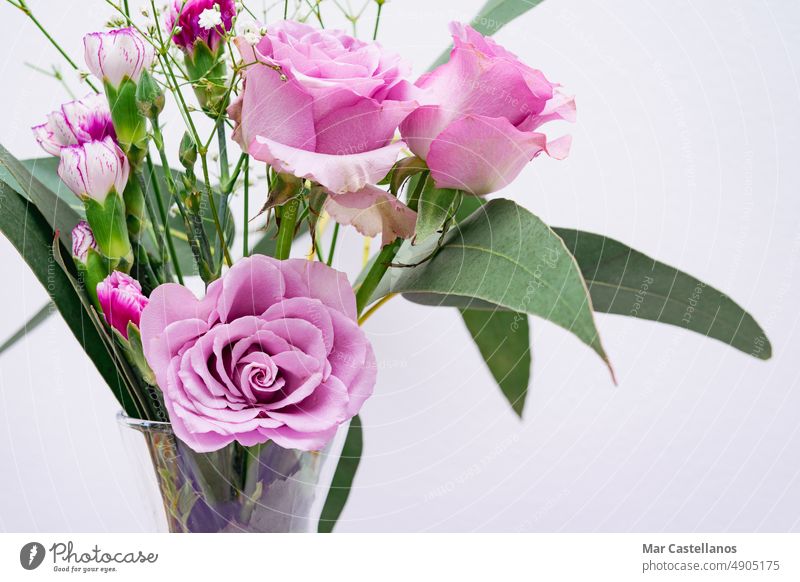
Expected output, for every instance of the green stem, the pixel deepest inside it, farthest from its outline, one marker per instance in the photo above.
(227, 188)
(215, 213)
(329, 262)
(162, 211)
(223, 152)
(288, 215)
(27, 11)
(151, 215)
(386, 256)
(245, 226)
(377, 20)
(285, 9)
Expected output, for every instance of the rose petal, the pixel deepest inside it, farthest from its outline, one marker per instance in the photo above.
(372, 211)
(337, 173)
(481, 155)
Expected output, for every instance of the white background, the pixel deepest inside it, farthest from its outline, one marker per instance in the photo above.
(687, 146)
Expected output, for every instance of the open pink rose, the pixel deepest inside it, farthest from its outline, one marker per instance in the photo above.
(272, 352)
(476, 126)
(322, 105)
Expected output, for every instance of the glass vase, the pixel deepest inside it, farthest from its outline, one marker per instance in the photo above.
(265, 488)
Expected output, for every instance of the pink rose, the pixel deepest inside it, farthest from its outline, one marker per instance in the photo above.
(116, 54)
(200, 21)
(94, 169)
(272, 352)
(76, 122)
(321, 105)
(476, 127)
(121, 299)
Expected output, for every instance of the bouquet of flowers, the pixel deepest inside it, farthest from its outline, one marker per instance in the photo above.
(240, 392)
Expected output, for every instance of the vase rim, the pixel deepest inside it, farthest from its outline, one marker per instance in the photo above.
(132, 422)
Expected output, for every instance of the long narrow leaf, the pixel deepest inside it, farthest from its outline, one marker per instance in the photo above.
(27, 327)
(343, 478)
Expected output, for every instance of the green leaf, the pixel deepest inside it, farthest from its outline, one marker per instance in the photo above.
(27, 327)
(343, 478)
(434, 209)
(58, 214)
(624, 281)
(502, 255)
(25, 227)
(503, 340)
(494, 15)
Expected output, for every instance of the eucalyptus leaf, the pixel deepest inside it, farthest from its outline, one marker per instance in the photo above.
(501, 255)
(435, 205)
(503, 339)
(624, 281)
(343, 477)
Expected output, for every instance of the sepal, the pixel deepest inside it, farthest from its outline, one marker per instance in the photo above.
(109, 226)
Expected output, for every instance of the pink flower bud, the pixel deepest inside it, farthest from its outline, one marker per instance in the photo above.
(200, 20)
(82, 241)
(94, 168)
(121, 299)
(116, 54)
(75, 122)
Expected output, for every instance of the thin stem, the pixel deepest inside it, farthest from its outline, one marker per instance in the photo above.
(386, 256)
(27, 11)
(376, 273)
(162, 211)
(286, 229)
(245, 228)
(285, 9)
(125, 8)
(228, 187)
(151, 215)
(223, 152)
(214, 213)
(374, 308)
(329, 262)
(377, 20)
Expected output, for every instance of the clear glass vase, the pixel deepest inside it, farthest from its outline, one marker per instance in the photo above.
(236, 489)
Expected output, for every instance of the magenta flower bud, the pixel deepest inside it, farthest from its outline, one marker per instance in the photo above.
(94, 169)
(122, 301)
(200, 21)
(74, 123)
(82, 241)
(116, 54)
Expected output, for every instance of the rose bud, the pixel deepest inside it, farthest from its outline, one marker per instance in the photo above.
(97, 172)
(119, 57)
(199, 27)
(476, 128)
(121, 300)
(75, 122)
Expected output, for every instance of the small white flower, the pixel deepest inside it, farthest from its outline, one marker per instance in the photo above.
(209, 18)
(250, 32)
